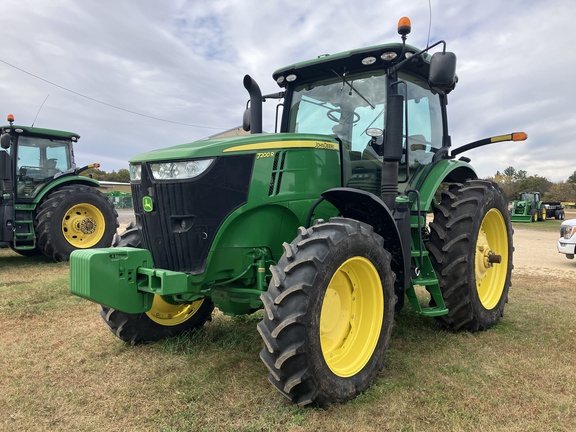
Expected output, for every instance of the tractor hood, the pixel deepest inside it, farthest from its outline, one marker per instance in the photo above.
(243, 144)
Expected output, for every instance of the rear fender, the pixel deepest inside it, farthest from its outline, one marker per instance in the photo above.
(65, 181)
(429, 180)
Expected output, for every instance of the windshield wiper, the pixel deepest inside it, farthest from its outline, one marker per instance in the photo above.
(344, 80)
(320, 104)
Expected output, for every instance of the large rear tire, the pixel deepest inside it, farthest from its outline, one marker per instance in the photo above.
(470, 232)
(329, 312)
(163, 320)
(74, 217)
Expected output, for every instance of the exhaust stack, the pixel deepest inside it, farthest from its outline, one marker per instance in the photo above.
(253, 114)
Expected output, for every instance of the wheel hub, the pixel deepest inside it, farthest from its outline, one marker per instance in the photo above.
(485, 257)
(83, 225)
(87, 226)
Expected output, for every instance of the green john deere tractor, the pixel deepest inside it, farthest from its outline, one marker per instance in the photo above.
(45, 206)
(324, 225)
(528, 208)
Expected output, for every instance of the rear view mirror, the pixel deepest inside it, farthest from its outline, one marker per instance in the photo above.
(5, 170)
(246, 120)
(5, 141)
(442, 76)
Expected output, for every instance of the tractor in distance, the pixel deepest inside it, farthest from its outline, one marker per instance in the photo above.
(45, 206)
(323, 225)
(528, 207)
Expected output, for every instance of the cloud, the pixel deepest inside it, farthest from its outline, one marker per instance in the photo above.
(184, 60)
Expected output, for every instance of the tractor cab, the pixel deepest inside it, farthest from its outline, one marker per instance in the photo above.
(39, 160)
(533, 197)
(33, 158)
(351, 105)
(385, 105)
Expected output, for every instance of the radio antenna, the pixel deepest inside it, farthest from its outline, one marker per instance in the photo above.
(40, 109)
(429, 22)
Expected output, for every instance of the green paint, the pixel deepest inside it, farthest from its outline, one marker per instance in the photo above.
(290, 172)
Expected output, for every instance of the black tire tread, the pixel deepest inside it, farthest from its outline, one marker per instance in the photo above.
(287, 310)
(48, 228)
(451, 245)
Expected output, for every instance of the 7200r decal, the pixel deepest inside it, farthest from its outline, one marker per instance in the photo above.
(264, 155)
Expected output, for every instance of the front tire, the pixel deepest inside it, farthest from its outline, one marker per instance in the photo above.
(163, 320)
(471, 229)
(329, 312)
(74, 217)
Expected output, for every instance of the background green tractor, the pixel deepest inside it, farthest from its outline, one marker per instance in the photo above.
(323, 224)
(45, 206)
(528, 208)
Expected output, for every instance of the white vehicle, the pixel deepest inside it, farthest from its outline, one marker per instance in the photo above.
(567, 240)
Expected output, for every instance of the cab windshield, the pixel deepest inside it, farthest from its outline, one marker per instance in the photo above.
(348, 105)
(343, 105)
(39, 160)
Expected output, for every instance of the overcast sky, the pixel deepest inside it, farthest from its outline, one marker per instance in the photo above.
(183, 61)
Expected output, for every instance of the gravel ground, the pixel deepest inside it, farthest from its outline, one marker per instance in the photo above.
(125, 216)
(536, 253)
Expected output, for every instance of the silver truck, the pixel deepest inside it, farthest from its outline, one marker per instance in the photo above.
(567, 241)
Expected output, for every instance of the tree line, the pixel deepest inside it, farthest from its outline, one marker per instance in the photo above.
(121, 176)
(514, 181)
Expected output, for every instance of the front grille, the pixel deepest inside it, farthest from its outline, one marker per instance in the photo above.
(186, 214)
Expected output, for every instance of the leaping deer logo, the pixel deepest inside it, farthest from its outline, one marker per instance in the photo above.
(147, 204)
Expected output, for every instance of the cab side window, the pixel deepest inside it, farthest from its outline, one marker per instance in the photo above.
(424, 123)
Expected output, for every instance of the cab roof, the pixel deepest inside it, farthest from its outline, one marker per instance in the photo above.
(351, 62)
(41, 132)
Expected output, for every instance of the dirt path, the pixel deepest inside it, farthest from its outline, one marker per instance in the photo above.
(535, 253)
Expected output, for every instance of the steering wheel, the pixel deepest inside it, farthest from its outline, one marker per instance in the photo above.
(331, 116)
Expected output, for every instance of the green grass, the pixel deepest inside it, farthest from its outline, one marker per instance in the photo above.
(548, 225)
(63, 370)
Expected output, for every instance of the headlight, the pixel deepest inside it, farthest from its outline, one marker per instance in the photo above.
(180, 170)
(135, 172)
(569, 231)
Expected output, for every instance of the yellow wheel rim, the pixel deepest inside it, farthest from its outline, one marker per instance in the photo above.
(491, 277)
(83, 225)
(168, 314)
(351, 317)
